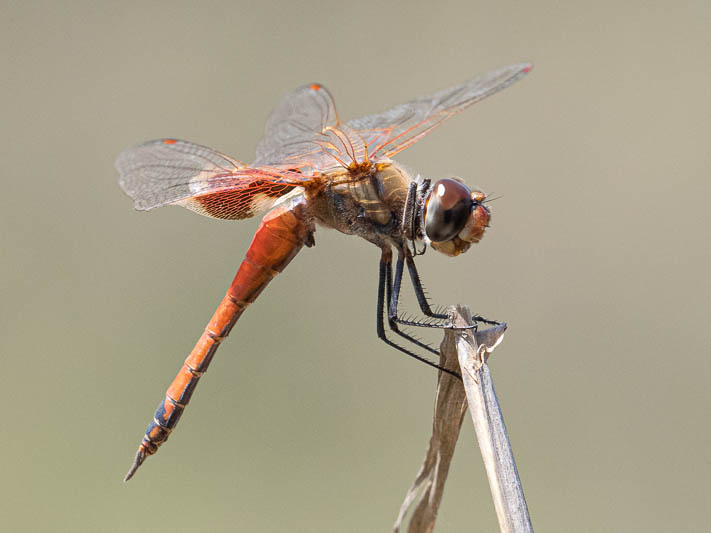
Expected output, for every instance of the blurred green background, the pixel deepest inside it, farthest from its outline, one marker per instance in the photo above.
(598, 257)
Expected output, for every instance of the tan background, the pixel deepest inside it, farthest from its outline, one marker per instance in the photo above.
(598, 258)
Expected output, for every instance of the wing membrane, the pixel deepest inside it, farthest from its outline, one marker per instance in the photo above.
(296, 131)
(387, 133)
(303, 138)
(170, 171)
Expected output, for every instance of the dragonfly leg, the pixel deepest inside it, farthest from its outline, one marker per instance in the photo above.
(385, 288)
(405, 255)
(409, 215)
(425, 305)
(392, 290)
(392, 294)
(420, 291)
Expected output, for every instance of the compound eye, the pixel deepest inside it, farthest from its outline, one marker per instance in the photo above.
(447, 209)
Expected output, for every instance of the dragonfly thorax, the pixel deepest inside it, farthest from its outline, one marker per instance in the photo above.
(370, 205)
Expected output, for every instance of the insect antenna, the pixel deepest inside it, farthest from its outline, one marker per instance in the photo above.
(488, 199)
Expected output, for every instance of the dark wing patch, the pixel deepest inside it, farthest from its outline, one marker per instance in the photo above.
(244, 200)
(174, 172)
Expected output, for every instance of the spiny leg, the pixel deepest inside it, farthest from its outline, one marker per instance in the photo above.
(392, 291)
(405, 255)
(425, 305)
(409, 216)
(383, 277)
(420, 291)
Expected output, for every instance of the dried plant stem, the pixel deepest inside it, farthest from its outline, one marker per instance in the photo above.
(466, 351)
(506, 490)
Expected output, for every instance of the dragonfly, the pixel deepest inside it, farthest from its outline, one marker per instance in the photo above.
(314, 170)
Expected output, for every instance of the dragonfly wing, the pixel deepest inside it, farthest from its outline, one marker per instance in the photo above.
(391, 131)
(174, 172)
(296, 129)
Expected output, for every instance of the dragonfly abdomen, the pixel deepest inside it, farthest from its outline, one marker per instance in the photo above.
(279, 238)
(181, 389)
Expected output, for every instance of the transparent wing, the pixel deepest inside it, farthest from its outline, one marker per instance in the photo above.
(295, 128)
(303, 137)
(387, 133)
(305, 133)
(170, 171)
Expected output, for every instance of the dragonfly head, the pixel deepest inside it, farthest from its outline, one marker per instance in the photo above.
(454, 217)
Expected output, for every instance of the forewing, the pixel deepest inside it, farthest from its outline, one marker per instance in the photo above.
(297, 132)
(170, 171)
(391, 131)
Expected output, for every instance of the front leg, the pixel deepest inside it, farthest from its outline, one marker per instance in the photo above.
(385, 286)
(392, 297)
(422, 299)
(405, 255)
(420, 291)
(409, 215)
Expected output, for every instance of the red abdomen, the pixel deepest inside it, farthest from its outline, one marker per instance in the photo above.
(279, 238)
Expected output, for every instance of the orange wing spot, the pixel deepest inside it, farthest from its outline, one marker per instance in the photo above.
(169, 141)
(316, 86)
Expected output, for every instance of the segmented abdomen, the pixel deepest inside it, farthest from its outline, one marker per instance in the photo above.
(279, 238)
